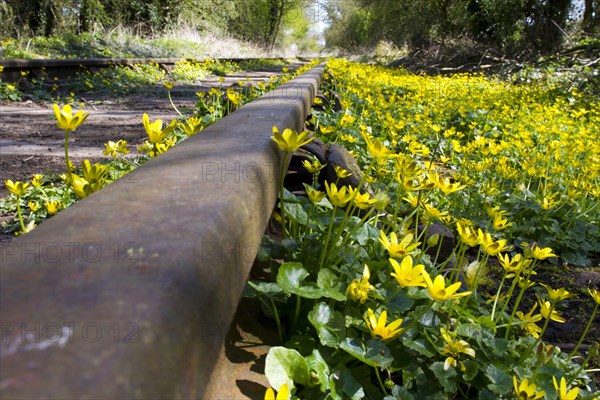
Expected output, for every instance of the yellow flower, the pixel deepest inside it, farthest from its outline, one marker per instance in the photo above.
(595, 295)
(454, 348)
(545, 307)
(468, 235)
(290, 141)
(529, 321)
(52, 206)
(438, 290)
(95, 174)
(362, 200)
(313, 167)
(447, 187)
(377, 149)
(339, 198)
(37, 180)
(314, 195)
(112, 148)
(514, 265)
(359, 288)
(283, 394)
(526, 391)
(18, 188)
(398, 249)
(490, 246)
(154, 130)
(341, 172)
(406, 275)
(534, 251)
(378, 326)
(191, 126)
(562, 392)
(381, 200)
(80, 186)
(169, 85)
(557, 294)
(500, 223)
(33, 206)
(65, 118)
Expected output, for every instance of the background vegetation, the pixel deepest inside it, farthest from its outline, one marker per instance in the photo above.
(513, 26)
(262, 22)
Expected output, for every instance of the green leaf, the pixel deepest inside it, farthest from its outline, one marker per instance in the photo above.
(378, 353)
(291, 278)
(296, 213)
(330, 324)
(269, 289)
(286, 366)
(444, 377)
(421, 346)
(319, 370)
(471, 370)
(501, 381)
(365, 233)
(344, 382)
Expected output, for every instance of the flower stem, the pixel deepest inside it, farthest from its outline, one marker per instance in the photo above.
(281, 195)
(19, 214)
(381, 385)
(173, 105)
(67, 161)
(585, 331)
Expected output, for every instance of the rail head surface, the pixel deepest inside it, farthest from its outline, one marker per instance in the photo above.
(129, 292)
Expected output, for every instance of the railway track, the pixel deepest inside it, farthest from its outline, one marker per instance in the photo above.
(17, 70)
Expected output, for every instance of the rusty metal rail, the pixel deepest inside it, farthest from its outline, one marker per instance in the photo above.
(129, 292)
(60, 68)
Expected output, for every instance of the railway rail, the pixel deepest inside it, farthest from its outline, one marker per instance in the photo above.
(129, 292)
(17, 70)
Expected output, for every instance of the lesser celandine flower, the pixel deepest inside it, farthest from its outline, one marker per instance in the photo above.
(52, 206)
(526, 391)
(155, 131)
(65, 118)
(362, 200)
(37, 180)
(314, 195)
(359, 288)
(379, 328)
(191, 126)
(33, 206)
(562, 392)
(595, 295)
(18, 188)
(338, 198)
(529, 321)
(438, 290)
(453, 349)
(514, 264)
(398, 249)
(290, 140)
(313, 167)
(381, 200)
(283, 394)
(467, 235)
(406, 275)
(557, 294)
(376, 149)
(491, 246)
(545, 310)
(448, 187)
(500, 223)
(534, 251)
(341, 172)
